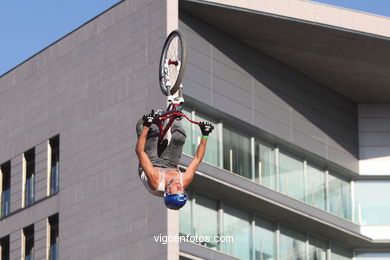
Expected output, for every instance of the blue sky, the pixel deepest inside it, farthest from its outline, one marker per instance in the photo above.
(380, 7)
(27, 26)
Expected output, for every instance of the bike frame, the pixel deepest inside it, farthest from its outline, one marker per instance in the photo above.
(171, 113)
(175, 100)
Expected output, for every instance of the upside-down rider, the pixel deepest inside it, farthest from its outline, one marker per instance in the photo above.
(160, 174)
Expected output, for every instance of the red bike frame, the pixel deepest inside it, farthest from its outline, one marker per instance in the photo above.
(171, 113)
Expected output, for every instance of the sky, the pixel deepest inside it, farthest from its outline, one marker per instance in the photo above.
(27, 26)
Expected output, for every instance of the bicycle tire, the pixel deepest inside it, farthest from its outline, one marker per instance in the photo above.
(174, 45)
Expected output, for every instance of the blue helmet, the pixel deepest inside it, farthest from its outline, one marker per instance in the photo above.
(175, 201)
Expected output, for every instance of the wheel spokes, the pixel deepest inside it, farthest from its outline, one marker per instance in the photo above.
(173, 60)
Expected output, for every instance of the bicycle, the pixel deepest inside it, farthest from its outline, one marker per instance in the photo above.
(171, 70)
(173, 61)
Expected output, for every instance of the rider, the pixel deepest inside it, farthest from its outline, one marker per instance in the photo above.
(160, 174)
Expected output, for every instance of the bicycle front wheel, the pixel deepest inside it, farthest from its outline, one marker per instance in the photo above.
(172, 63)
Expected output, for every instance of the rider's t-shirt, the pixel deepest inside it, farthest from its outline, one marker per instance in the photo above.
(161, 187)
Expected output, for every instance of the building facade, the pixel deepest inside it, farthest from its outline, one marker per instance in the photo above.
(297, 167)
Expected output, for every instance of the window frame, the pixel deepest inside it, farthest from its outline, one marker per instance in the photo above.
(5, 241)
(52, 227)
(28, 236)
(53, 148)
(28, 173)
(5, 176)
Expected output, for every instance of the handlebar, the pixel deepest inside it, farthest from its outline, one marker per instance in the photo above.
(168, 114)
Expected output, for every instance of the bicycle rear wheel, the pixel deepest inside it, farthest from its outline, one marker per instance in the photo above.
(172, 63)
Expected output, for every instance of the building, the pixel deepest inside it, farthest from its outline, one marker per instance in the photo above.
(296, 169)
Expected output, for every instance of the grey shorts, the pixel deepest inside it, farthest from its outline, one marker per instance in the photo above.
(170, 158)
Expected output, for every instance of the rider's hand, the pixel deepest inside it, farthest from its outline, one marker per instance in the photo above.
(148, 119)
(206, 128)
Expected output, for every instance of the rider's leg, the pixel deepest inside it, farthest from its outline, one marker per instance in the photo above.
(172, 154)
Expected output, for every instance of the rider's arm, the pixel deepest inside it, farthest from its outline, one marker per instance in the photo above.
(140, 150)
(189, 173)
(144, 160)
(206, 129)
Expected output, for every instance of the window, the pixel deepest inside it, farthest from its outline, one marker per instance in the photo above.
(271, 166)
(53, 166)
(340, 196)
(211, 155)
(4, 248)
(194, 136)
(317, 249)
(372, 202)
(292, 245)
(28, 243)
(265, 168)
(340, 253)
(237, 223)
(291, 176)
(264, 240)
(254, 238)
(53, 237)
(315, 186)
(200, 217)
(5, 182)
(185, 220)
(205, 219)
(373, 256)
(29, 177)
(237, 153)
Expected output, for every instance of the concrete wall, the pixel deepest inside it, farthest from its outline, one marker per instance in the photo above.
(315, 12)
(235, 78)
(90, 88)
(374, 139)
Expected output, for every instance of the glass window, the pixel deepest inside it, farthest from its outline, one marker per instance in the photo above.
(185, 218)
(265, 169)
(317, 249)
(287, 173)
(264, 240)
(291, 176)
(4, 248)
(237, 153)
(372, 202)
(30, 177)
(53, 250)
(205, 219)
(187, 125)
(28, 234)
(292, 245)
(373, 256)
(340, 196)
(54, 164)
(211, 154)
(5, 198)
(340, 253)
(315, 186)
(237, 223)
